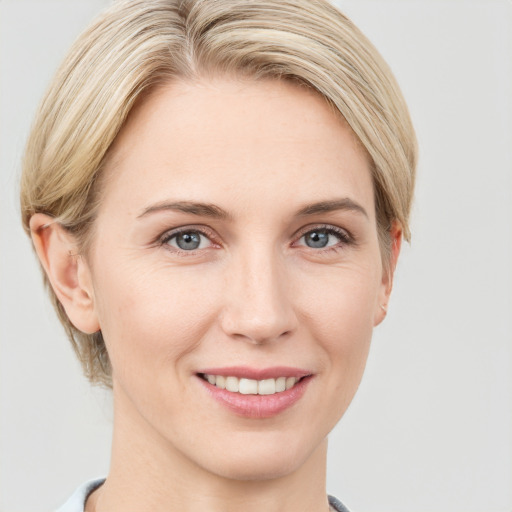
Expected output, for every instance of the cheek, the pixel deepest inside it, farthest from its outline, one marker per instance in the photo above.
(341, 306)
(154, 316)
(343, 299)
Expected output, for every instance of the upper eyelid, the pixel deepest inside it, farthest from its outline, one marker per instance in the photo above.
(337, 229)
(167, 235)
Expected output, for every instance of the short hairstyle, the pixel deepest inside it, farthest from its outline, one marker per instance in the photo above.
(136, 45)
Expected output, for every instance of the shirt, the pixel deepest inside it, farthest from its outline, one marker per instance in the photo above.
(77, 501)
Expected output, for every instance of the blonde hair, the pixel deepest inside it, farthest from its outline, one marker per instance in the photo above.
(137, 45)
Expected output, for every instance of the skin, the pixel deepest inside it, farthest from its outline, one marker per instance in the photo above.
(254, 293)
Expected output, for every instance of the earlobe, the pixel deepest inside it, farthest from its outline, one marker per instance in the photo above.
(389, 272)
(68, 272)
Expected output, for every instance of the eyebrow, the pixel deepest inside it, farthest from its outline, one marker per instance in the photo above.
(331, 206)
(200, 209)
(215, 212)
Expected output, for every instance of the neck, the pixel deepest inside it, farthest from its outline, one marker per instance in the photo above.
(149, 473)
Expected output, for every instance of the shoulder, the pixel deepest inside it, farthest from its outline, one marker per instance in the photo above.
(337, 505)
(76, 502)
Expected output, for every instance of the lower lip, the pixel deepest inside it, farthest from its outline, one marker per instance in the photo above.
(258, 406)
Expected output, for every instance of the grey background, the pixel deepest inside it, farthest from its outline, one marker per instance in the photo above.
(431, 426)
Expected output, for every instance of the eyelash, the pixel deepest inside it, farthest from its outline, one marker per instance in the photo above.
(345, 238)
(169, 235)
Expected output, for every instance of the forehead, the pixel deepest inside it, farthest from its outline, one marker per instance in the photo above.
(230, 139)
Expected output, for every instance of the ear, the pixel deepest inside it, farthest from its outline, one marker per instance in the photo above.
(68, 272)
(388, 273)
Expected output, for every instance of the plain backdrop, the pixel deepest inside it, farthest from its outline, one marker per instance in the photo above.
(430, 429)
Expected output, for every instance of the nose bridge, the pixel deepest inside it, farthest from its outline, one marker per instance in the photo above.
(258, 303)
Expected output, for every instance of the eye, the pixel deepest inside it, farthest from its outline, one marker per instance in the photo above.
(324, 237)
(189, 240)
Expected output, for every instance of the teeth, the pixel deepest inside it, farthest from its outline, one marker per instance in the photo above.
(220, 381)
(250, 386)
(267, 387)
(232, 384)
(290, 382)
(280, 384)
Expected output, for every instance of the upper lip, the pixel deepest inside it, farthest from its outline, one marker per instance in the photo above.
(247, 372)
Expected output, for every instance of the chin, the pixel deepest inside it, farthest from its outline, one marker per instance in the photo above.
(259, 461)
(260, 470)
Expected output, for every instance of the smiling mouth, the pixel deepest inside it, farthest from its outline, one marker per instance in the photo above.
(245, 386)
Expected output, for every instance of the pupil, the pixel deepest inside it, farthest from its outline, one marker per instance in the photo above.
(317, 239)
(188, 241)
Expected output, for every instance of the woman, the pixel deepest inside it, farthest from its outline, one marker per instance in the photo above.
(217, 193)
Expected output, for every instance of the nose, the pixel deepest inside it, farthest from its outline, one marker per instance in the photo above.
(257, 306)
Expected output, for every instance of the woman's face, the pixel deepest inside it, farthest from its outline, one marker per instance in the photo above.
(236, 240)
